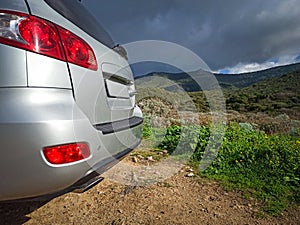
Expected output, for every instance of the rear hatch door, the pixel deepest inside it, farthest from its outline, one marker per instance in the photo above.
(105, 94)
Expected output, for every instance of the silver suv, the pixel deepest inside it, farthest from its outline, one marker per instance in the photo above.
(67, 99)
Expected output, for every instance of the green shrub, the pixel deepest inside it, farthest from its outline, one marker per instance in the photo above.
(146, 127)
(186, 139)
(266, 165)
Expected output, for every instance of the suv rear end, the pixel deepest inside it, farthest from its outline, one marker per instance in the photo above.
(67, 98)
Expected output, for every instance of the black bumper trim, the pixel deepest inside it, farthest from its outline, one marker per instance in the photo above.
(112, 127)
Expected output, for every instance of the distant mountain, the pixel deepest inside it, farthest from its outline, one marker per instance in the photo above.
(248, 79)
(173, 81)
(276, 95)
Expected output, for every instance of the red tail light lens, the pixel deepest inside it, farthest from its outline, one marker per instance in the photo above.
(43, 37)
(67, 153)
(77, 50)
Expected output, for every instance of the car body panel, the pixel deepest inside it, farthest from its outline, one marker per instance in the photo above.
(16, 5)
(12, 75)
(44, 71)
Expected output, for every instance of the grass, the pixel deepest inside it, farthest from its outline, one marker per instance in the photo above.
(267, 165)
(264, 166)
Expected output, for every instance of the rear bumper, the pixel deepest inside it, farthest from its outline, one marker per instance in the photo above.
(31, 119)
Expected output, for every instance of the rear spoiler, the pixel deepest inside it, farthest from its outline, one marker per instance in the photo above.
(121, 51)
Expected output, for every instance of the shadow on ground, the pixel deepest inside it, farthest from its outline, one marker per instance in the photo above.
(15, 212)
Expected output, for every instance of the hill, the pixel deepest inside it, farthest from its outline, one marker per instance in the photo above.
(274, 96)
(275, 91)
(174, 81)
(247, 79)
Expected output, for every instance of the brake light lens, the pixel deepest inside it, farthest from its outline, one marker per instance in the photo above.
(43, 37)
(40, 37)
(77, 50)
(67, 153)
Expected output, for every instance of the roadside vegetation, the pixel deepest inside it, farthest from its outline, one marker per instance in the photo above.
(263, 166)
(260, 151)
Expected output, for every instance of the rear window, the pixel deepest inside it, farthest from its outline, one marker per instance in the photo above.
(74, 11)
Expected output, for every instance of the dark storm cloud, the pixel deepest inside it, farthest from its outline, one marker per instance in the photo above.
(222, 32)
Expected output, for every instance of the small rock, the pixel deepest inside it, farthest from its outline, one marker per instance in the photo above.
(135, 159)
(204, 210)
(218, 215)
(150, 158)
(190, 175)
(120, 211)
(134, 178)
(165, 152)
(212, 198)
(241, 206)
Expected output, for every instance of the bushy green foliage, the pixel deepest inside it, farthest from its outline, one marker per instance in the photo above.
(146, 127)
(270, 165)
(186, 140)
(171, 139)
(267, 165)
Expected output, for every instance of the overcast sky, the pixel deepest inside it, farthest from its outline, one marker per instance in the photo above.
(229, 35)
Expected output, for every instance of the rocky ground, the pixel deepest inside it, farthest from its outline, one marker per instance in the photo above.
(183, 198)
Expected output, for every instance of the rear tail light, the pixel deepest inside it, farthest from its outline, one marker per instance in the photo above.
(66, 153)
(77, 50)
(43, 37)
(39, 36)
